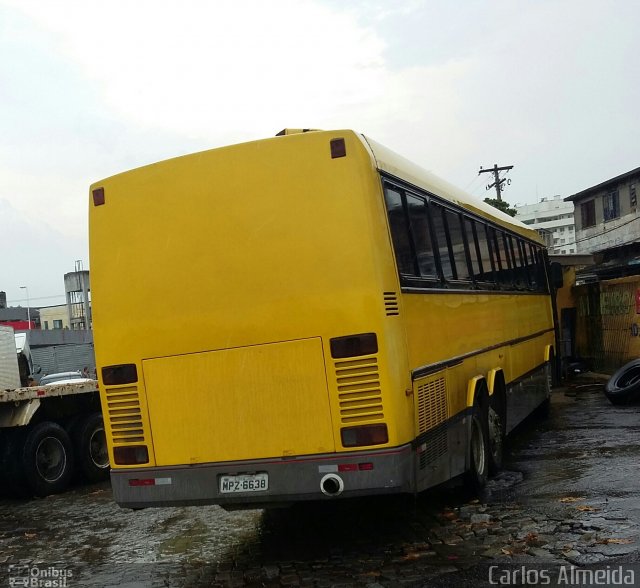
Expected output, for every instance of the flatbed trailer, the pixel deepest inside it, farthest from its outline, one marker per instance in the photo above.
(50, 435)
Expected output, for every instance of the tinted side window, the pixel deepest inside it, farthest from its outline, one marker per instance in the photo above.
(485, 253)
(457, 245)
(474, 250)
(440, 233)
(421, 232)
(399, 232)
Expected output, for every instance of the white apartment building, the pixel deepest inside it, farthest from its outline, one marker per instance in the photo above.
(554, 217)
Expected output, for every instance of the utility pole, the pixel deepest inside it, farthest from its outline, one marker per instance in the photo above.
(496, 176)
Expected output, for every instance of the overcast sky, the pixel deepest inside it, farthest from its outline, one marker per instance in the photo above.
(89, 89)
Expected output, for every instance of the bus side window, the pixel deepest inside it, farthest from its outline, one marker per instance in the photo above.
(488, 272)
(474, 249)
(440, 234)
(516, 263)
(533, 269)
(540, 264)
(399, 232)
(522, 252)
(419, 222)
(506, 275)
(456, 241)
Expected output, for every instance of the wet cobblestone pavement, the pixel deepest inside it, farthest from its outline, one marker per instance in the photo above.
(569, 494)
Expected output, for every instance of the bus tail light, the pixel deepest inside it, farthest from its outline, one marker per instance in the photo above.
(364, 435)
(113, 375)
(354, 345)
(338, 148)
(98, 196)
(131, 455)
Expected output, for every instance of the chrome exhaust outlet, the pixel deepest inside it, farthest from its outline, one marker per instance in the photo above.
(331, 485)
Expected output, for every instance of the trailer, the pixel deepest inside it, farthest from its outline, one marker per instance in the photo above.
(49, 434)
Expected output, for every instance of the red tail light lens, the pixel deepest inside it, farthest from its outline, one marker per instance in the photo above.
(354, 345)
(112, 375)
(338, 148)
(132, 455)
(364, 435)
(98, 197)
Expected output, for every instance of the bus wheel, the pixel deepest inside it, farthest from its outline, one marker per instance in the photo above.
(476, 475)
(47, 459)
(496, 441)
(90, 444)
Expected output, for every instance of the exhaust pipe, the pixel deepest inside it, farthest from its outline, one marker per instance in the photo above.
(331, 485)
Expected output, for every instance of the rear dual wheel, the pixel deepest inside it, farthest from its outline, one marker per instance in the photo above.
(90, 445)
(47, 459)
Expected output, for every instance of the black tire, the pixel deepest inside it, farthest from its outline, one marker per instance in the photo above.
(478, 459)
(47, 459)
(90, 445)
(624, 386)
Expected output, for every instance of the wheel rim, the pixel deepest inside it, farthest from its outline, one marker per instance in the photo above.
(98, 452)
(51, 459)
(477, 447)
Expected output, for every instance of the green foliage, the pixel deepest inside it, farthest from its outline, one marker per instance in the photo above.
(501, 205)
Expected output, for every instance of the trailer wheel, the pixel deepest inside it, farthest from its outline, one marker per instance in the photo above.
(47, 459)
(90, 443)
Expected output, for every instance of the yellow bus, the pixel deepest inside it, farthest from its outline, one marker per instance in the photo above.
(307, 317)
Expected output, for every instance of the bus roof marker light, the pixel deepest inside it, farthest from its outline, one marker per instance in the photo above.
(338, 148)
(98, 196)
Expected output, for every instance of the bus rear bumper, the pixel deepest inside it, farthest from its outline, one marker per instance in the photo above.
(386, 471)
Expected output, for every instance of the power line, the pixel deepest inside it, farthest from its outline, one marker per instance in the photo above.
(599, 234)
(36, 298)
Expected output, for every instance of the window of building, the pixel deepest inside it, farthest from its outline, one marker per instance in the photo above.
(46, 325)
(633, 199)
(611, 205)
(57, 324)
(588, 210)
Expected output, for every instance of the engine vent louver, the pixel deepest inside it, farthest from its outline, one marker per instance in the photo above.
(124, 415)
(359, 391)
(391, 304)
(432, 412)
(436, 446)
(432, 404)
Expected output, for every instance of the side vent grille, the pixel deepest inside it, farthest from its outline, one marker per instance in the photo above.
(432, 411)
(391, 304)
(359, 390)
(432, 404)
(124, 415)
(436, 447)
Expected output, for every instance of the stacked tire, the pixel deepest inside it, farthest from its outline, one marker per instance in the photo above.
(624, 386)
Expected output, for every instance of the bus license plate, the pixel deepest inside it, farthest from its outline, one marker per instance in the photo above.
(244, 483)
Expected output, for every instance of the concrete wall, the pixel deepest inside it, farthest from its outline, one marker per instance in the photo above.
(613, 233)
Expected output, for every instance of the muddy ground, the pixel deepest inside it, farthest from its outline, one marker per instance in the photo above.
(568, 496)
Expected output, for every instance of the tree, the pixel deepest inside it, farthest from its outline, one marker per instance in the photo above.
(501, 205)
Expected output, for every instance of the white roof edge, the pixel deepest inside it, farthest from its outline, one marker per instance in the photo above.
(389, 161)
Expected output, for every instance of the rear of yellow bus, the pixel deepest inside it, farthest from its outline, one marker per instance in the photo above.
(246, 327)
